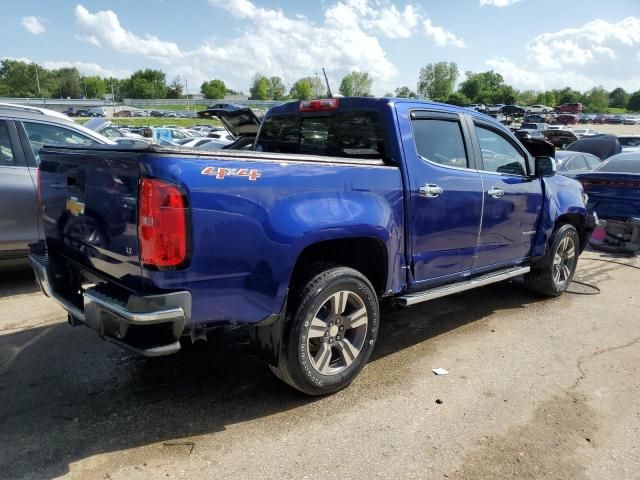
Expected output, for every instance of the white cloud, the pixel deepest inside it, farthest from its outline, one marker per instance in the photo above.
(88, 68)
(598, 53)
(498, 3)
(442, 37)
(277, 43)
(103, 29)
(33, 25)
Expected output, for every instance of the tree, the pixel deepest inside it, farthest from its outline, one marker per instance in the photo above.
(356, 84)
(567, 95)
(146, 83)
(94, 86)
(18, 79)
(436, 80)
(277, 90)
(618, 98)
(175, 88)
(214, 89)
(634, 102)
(459, 99)
(69, 82)
(486, 87)
(405, 92)
(596, 99)
(259, 87)
(526, 97)
(547, 98)
(318, 89)
(302, 89)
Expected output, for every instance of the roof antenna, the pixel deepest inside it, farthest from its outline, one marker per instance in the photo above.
(327, 81)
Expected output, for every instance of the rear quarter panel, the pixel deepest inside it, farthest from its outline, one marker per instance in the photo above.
(247, 234)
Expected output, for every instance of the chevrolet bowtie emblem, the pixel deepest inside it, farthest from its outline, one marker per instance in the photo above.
(75, 207)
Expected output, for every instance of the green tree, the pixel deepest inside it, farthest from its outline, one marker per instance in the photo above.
(634, 102)
(318, 89)
(146, 83)
(259, 87)
(485, 87)
(596, 99)
(18, 79)
(69, 82)
(437, 80)
(214, 89)
(175, 89)
(277, 90)
(94, 86)
(526, 97)
(356, 84)
(302, 89)
(618, 98)
(458, 98)
(567, 95)
(405, 92)
(547, 98)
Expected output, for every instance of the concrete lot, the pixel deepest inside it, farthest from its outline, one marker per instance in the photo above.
(537, 389)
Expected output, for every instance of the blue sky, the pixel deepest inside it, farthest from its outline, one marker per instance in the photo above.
(534, 43)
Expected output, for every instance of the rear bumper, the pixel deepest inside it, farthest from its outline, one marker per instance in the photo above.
(150, 325)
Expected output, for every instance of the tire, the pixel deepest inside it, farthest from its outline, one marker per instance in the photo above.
(555, 273)
(330, 332)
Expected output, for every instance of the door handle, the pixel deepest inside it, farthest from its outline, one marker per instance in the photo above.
(431, 190)
(495, 192)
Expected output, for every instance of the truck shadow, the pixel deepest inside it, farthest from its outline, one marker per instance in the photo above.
(17, 280)
(66, 395)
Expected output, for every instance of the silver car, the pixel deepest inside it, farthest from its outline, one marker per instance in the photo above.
(23, 132)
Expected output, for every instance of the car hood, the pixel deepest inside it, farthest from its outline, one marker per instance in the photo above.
(240, 122)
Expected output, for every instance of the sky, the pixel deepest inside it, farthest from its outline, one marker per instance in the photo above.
(534, 44)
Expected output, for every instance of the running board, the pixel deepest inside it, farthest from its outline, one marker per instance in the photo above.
(493, 277)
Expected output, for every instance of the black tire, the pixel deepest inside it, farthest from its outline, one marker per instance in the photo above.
(297, 365)
(544, 278)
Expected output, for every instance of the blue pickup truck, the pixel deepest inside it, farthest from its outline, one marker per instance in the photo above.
(340, 204)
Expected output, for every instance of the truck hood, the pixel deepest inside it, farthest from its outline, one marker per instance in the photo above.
(241, 122)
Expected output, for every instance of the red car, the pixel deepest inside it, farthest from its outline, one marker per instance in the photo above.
(566, 120)
(574, 108)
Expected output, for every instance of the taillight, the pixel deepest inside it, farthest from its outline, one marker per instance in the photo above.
(319, 105)
(162, 224)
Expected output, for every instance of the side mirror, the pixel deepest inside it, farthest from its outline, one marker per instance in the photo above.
(545, 167)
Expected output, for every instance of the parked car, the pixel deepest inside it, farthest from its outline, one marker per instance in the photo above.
(109, 129)
(525, 133)
(613, 189)
(495, 108)
(602, 146)
(123, 114)
(584, 132)
(139, 113)
(629, 143)
(571, 164)
(478, 107)
(226, 106)
(615, 120)
(631, 120)
(535, 126)
(571, 108)
(299, 240)
(98, 112)
(23, 132)
(537, 118)
(600, 119)
(566, 119)
(81, 112)
(559, 137)
(539, 109)
(156, 113)
(513, 110)
(586, 118)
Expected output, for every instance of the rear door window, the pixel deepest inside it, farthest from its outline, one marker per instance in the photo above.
(356, 134)
(7, 158)
(440, 141)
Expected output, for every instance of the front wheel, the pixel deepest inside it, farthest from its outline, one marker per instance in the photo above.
(330, 332)
(556, 273)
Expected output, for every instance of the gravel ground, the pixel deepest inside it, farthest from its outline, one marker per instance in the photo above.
(537, 389)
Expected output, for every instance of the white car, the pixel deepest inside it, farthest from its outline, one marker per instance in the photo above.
(584, 132)
(539, 109)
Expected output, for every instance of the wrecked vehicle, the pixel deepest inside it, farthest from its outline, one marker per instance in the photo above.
(342, 203)
(614, 195)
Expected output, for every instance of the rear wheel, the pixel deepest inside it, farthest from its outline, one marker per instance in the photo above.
(556, 274)
(330, 332)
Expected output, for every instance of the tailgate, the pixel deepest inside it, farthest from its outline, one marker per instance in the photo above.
(89, 203)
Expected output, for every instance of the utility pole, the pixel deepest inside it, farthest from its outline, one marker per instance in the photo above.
(37, 79)
(186, 92)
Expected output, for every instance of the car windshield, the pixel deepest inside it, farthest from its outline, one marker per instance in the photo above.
(623, 163)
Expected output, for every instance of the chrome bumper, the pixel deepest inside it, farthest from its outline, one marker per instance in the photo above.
(150, 325)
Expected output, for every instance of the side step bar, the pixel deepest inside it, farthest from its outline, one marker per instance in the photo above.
(433, 293)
